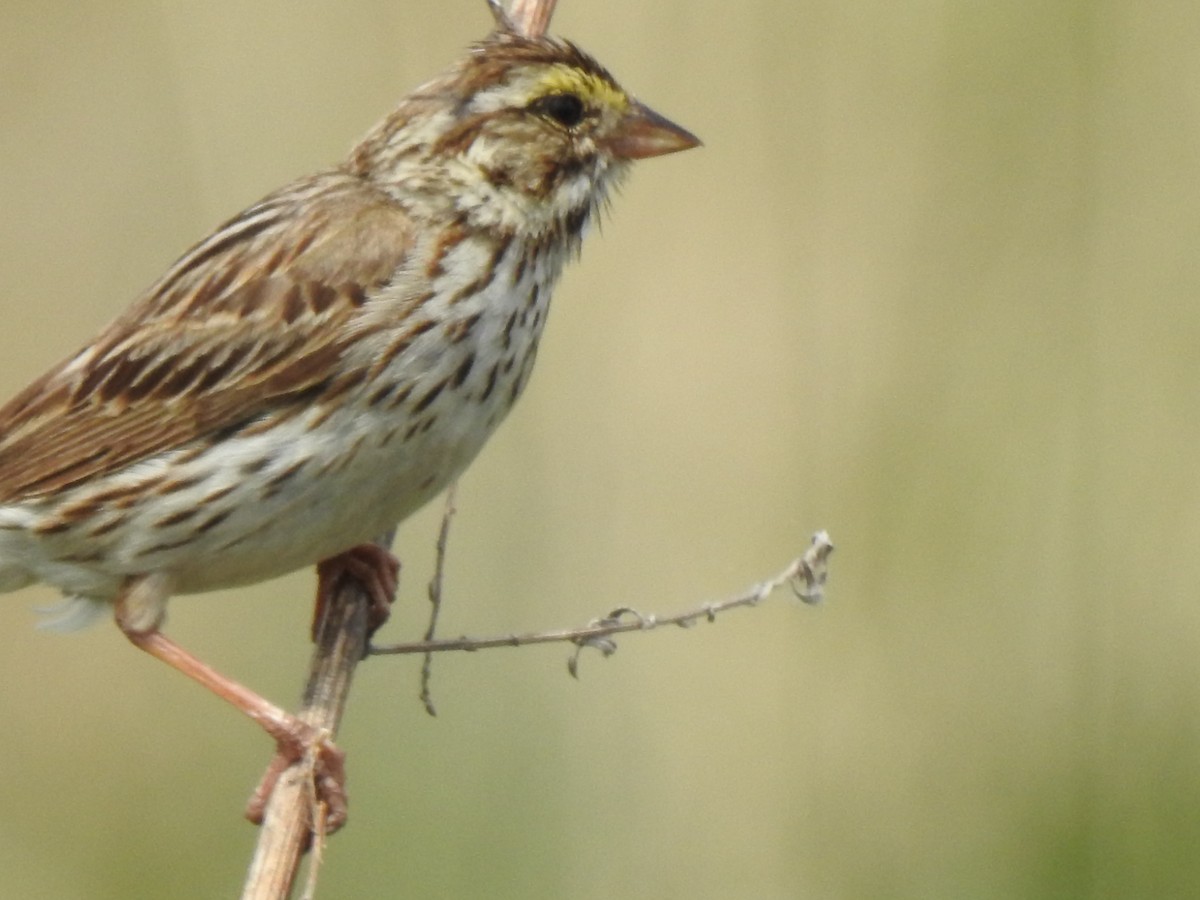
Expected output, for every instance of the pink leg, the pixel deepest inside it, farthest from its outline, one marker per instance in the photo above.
(292, 736)
(374, 567)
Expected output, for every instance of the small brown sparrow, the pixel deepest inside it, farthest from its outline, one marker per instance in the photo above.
(323, 363)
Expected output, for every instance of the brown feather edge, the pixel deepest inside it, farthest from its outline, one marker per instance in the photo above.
(330, 242)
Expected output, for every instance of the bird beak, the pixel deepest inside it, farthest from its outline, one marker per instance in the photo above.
(644, 133)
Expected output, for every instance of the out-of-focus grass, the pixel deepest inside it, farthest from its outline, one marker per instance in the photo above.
(931, 284)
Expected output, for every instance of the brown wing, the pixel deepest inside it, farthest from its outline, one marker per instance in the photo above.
(251, 317)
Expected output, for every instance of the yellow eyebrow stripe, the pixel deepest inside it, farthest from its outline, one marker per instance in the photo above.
(562, 79)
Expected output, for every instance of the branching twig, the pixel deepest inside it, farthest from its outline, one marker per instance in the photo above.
(288, 827)
(806, 575)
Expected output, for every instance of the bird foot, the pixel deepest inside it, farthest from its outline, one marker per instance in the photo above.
(374, 567)
(312, 749)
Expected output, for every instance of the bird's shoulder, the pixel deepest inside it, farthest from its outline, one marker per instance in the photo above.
(254, 314)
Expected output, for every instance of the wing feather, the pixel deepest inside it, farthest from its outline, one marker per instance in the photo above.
(252, 318)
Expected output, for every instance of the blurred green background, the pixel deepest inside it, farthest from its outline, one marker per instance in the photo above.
(931, 284)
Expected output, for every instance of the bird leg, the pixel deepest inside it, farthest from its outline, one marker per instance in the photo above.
(139, 613)
(372, 566)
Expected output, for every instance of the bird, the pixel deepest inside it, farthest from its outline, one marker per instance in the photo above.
(322, 364)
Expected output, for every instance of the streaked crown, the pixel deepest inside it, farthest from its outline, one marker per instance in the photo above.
(531, 133)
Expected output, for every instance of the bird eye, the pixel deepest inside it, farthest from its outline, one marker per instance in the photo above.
(565, 109)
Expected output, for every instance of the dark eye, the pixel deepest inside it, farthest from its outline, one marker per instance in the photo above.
(565, 109)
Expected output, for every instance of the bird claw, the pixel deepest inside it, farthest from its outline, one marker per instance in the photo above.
(372, 566)
(311, 752)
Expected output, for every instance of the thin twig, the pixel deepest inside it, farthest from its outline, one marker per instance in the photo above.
(435, 598)
(806, 574)
(293, 819)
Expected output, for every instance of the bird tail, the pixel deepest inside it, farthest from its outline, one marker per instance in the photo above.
(70, 614)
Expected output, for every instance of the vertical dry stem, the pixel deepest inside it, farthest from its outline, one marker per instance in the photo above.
(288, 821)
